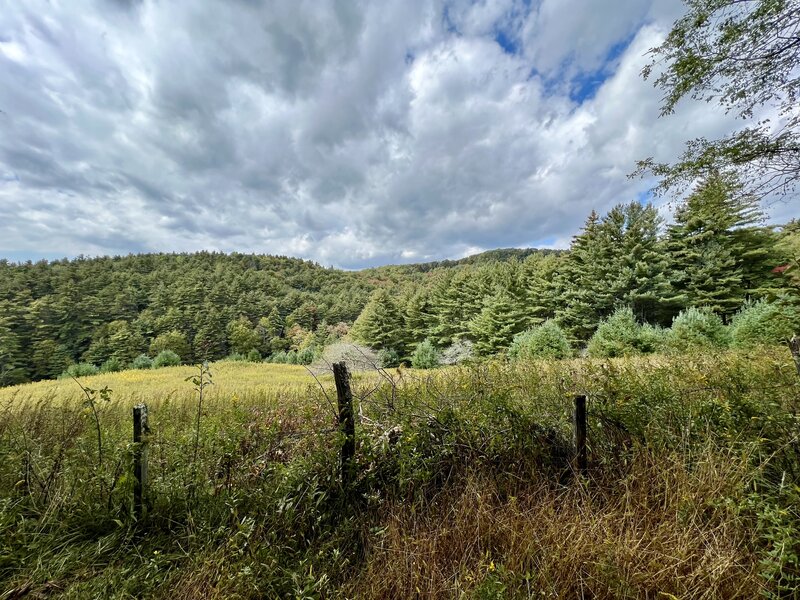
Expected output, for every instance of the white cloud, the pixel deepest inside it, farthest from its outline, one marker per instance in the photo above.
(350, 134)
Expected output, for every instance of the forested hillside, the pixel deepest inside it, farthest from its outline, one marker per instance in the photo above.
(716, 255)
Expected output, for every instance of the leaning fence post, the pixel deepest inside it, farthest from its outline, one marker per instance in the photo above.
(347, 423)
(580, 434)
(140, 429)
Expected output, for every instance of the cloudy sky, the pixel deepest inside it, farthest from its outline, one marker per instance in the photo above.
(350, 133)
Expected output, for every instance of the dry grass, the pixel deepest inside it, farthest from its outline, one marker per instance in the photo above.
(658, 533)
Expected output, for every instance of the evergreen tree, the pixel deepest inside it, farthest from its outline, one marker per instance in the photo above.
(493, 329)
(718, 258)
(380, 325)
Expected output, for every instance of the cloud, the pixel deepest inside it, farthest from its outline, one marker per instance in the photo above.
(352, 134)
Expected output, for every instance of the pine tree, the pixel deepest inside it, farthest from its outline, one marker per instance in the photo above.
(718, 257)
(380, 325)
(495, 326)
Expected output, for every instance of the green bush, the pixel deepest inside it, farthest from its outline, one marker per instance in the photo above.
(142, 362)
(425, 356)
(236, 357)
(306, 356)
(112, 365)
(547, 340)
(291, 357)
(278, 358)
(80, 370)
(696, 328)
(388, 357)
(762, 323)
(621, 335)
(166, 358)
(254, 355)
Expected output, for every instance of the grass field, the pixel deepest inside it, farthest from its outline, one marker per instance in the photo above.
(463, 486)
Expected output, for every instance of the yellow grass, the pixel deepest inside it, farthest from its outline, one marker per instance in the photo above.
(244, 380)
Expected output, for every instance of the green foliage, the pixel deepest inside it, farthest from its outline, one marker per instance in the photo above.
(388, 357)
(763, 322)
(697, 328)
(743, 56)
(380, 324)
(166, 358)
(254, 355)
(547, 340)
(622, 335)
(80, 370)
(425, 356)
(173, 341)
(306, 356)
(112, 365)
(278, 358)
(142, 362)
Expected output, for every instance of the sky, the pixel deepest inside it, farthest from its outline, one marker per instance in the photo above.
(349, 133)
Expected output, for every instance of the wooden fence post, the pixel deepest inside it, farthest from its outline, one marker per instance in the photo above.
(347, 423)
(140, 430)
(580, 434)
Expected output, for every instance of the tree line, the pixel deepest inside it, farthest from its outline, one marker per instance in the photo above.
(717, 255)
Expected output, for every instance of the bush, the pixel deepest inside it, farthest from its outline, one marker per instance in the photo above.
(166, 358)
(425, 356)
(547, 340)
(458, 352)
(762, 323)
(388, 357)
(80, 370)
(697, 328)
(254, 355)
(355, 356)
(142, 362)
(278, 358)
(112, 365)
(618, 335)
(306, 356)
(236, 357)
(291, 357)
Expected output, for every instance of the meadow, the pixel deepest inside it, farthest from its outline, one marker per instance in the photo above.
(464, 486)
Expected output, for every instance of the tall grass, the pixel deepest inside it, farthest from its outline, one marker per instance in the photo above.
(464, 484)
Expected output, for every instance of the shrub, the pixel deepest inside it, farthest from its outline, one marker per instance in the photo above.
(425, 356)
(547, 340)
(388, 357)
(618, 335)
(142, 362)
(80, 370)
(306, 356)
(355, 356)
(236, 357)
(458, 352)
(278, 358)
(291, 357)
(112, 365)
(166, 358)
(761, 323)
(697, 328)
(254, 355)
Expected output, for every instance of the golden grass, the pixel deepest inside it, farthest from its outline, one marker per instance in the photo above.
(243, 380)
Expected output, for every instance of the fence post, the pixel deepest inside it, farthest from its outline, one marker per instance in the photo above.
(140, 429)
(347, 422)
(580, 434)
